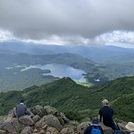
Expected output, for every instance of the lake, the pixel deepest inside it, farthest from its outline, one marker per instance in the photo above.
(62, 70)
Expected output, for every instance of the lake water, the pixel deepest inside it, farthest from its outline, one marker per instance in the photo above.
(62, 70)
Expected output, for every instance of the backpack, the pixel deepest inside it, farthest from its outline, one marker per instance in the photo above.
(95, 130)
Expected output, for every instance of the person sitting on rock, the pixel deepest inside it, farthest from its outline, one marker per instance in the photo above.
(130, 127)
(106, 112)
(21, 109)
(94, 128)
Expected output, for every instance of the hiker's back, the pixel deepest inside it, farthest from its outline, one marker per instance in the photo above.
(93, 130)
(96, 130)
(21, 110)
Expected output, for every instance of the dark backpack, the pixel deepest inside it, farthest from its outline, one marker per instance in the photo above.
(95, 130)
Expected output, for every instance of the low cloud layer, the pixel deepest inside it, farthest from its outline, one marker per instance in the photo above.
(79, 21)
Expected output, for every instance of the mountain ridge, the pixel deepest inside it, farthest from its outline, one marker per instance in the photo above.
(98, 54)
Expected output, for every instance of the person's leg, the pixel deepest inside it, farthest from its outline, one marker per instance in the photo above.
(113, 126)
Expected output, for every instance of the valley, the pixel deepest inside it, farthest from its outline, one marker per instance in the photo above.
(18, 71)
(70, 79)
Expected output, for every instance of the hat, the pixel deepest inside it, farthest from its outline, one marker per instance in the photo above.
(130, 126)
(22, 101)
(95, 120)
(105, 101)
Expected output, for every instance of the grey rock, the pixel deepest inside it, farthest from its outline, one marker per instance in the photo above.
(50, 110)
(8, 126)
(52, 130)
(82, 127)
(36, 118)
(27, 130)
(66, 120)
(67, 130)
(38, 110)
(52, 121)
(3, 132)
(26, 120)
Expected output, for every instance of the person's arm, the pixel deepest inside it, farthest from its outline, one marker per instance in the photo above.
(100, 113)
(87, 130)
(27, 111)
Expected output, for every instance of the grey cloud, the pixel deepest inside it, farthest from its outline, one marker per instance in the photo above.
(38, 19)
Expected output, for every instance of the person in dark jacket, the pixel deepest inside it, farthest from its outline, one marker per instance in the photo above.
(95, 125)
(21, 109)
(106, 113)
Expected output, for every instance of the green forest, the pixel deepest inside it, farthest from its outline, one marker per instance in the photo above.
(77, 101)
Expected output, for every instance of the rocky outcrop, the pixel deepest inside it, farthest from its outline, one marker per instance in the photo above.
(46, 120)
(27, 120)
(27, 130)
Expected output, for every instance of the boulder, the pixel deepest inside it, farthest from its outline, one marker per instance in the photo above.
(81, 127)
(52, 130)
(121, 126)
(12, 125)
(3, 132)
(50, 110)
(26, 120)
(62, 115)
(52, 121)
(67, 130)
(36, 118)
(106, 130)
(38, 110)
(41, 131)
(40, 123)
(7, 126)
(11, 113)
(17, 125)
(27, 130)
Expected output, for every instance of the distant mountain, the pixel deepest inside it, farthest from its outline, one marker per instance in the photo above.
(68, 96)
(97, 54)
(30, 48)
(26, 59)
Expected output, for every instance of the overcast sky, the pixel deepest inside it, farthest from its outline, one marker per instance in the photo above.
(87, 22)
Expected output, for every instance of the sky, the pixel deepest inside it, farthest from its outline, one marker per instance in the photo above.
(64, 22)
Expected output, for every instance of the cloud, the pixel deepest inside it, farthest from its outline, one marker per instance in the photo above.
(5, 35)
(116, 36)
(79, 21)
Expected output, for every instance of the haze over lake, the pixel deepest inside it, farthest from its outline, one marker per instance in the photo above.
(62, 70)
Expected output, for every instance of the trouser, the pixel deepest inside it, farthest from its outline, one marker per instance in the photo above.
(112, 125)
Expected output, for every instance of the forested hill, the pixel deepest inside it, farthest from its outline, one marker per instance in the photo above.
(66, 95)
